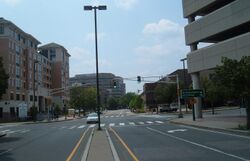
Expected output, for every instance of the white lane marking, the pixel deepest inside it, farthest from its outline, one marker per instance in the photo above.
(106, 116)
(6, 130)
(197, 144)
(149, 122)
(177, 130)
(63, 127)
(102, 125)
(6, 151)
(93, 125)
(81, 127)
(122, 115)
(131, 123)
(111, 124)
(72, 127)
(160, 122)
(216, 132)
(24, 131)
(121, 124)
(112, 116)
(142, 123)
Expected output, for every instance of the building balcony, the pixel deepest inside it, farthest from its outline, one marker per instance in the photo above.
(208, 57)
(224, 23)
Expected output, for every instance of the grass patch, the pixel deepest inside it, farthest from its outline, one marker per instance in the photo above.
(242, 127)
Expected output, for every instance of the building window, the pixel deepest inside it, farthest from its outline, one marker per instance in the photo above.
(23, 97)
(17, 97)
(1, 112)
(31, 98)
(11, 96)
(12, 112)
(1, 29)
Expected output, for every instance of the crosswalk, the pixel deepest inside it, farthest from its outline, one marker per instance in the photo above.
(113, 116)
(9, 131)
(83, 126)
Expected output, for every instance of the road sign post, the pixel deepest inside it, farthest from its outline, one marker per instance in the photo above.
(191, 93)
(187, 93)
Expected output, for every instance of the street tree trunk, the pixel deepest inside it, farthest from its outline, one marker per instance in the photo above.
(248, 112)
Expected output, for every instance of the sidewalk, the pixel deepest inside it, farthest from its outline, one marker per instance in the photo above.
(100, 147)
(219, 121)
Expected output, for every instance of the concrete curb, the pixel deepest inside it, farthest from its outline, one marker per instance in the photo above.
(2, 135)
(86, 151)
(240, 132)
(114, 152)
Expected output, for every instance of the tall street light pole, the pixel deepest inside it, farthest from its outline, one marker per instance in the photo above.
(89, 8)
(34, 92)
(184, 77)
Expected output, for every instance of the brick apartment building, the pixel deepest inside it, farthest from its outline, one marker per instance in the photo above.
(30, 73)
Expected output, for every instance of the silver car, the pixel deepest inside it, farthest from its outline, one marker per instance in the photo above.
(92, 118)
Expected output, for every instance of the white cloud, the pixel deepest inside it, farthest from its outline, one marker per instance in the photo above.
(163, 27)
(83, 61)
(126, 4)
(11, 2)
(161, 42)
(91, 36)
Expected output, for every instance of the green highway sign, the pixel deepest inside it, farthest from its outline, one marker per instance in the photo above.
(186, 93)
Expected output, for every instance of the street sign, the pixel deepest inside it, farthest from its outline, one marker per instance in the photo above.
(186, 93)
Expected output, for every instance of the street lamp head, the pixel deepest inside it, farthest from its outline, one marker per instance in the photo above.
(103, 7)
(183, 59)
(88, 8)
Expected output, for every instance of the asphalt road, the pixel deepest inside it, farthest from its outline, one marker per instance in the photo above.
(165, 141)
(135, 137)
(39, 142)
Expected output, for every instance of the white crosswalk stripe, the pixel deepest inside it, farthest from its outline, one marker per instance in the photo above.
(111, 124)
(72, 127)
(102, 125)
(112, 116)
(141, 123)
(93, 125)
(81, 127)
(160, 122)
(149, 122)
(131, 123)
(122, 115)
(121, 124)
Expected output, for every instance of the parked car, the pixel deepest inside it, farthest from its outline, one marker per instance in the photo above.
(92, 118)
(164, 108)
(174, 107)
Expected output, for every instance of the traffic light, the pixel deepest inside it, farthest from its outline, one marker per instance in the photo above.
(114, 84)
(139, 79)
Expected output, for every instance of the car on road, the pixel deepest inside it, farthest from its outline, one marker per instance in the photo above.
(92, 118)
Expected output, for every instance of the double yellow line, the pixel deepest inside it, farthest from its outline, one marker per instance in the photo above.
(125, 145)
(77, 146)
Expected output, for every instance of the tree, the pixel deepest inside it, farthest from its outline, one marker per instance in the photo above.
(83, 98)
(166, 93)
(125, 100)
(136, 102)
(213, 92)
(113, 103)
(235, 76)
(3, 79)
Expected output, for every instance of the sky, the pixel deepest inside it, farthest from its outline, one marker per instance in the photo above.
(135, 37)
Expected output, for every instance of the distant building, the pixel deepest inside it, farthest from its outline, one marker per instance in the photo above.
(149, 95)
(59, 58)
(106, 86)
(224, 26)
